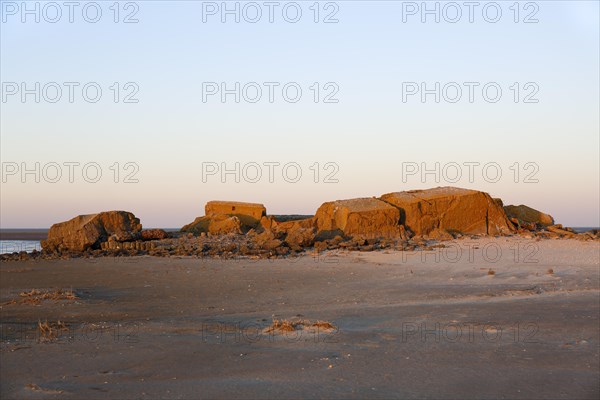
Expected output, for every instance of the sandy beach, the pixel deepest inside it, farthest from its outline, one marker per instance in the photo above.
(500, 317)
(300, 200)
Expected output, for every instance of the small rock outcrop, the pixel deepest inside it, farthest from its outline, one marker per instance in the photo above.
(214, 224)
(248, 213)
(439, 234)
(450, 209)
(153, 234)
(363, 217)
(224, 217)
(525, 215)
(222, 224)
(297, 233)
(89, 231)
(558, 229)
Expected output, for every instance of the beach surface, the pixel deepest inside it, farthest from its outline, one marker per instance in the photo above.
(481, 318)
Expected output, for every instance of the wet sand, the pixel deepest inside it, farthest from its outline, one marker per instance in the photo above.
(487, 321)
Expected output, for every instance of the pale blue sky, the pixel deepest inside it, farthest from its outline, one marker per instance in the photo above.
(369, 133)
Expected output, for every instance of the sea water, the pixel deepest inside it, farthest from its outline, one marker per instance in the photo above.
(11, 246)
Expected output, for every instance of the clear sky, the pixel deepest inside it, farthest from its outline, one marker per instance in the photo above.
(368, 125)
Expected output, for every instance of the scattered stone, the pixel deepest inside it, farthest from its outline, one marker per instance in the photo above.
(439, 234)
(215, 224)
(297, 233)
(558, 230)
(267, 223)
(222, 224)
(364, 224)
(153, 234)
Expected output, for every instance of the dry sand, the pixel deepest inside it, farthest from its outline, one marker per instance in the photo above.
(148, 327)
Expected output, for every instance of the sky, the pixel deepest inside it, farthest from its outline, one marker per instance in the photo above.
(157, 107)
